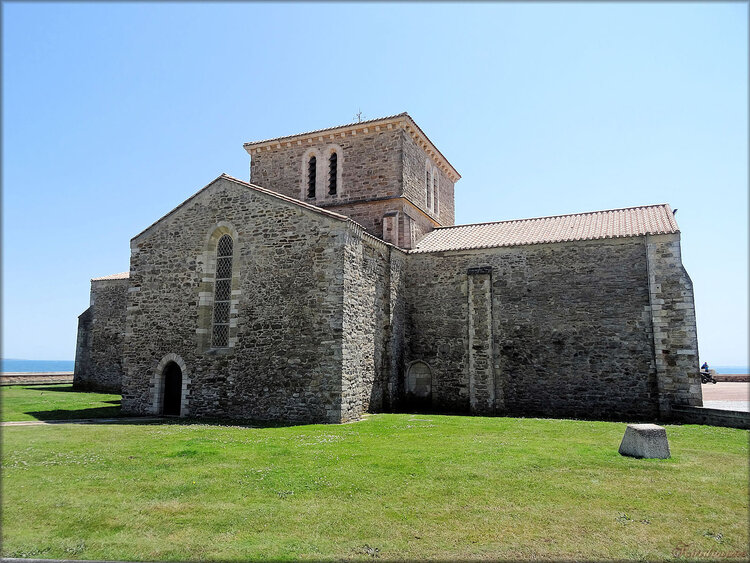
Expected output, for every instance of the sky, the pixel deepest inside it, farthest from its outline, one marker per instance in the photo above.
(113, 114)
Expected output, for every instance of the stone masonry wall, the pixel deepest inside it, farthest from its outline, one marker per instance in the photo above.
(365, 326)
(101, 330)
(370, 216)
(83, 346)
(415, 187)
(482, 385)
(373, 326)
(375, 167)
(673, 316)
(370, 166)
(571, 328)
(396, 273)
(286, 316)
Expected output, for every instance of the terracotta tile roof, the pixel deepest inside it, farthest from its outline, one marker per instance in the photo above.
(612, 223)
(120, 276)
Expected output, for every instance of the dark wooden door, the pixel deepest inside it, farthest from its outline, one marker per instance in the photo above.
(172, 389)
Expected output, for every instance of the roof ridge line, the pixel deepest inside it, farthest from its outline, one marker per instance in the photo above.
(264, 191)
(314, 131)
(551, 216)
(117, 276)
(287, 198)
(304, 204)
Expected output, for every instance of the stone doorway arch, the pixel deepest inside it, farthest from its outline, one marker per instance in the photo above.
(419, 385)
(170, 387)
(172, 395)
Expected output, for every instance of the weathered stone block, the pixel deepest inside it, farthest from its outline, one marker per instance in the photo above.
(645, 441)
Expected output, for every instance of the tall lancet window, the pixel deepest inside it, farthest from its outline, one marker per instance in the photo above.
(311, 171)
(435, 189)
(333, 170)
(222, 292)
(427, 187)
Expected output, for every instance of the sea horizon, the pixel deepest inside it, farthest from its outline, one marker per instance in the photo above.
(22, 366)
(27, 366)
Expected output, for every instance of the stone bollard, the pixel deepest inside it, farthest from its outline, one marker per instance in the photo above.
(645, 440)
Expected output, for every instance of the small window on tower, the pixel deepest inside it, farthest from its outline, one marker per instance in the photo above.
(311, 166)
(333, 164)
(435, 189)
(427, 187)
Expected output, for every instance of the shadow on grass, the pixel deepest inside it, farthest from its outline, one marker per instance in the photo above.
(65, 388)
(237, 422)
(108, 415)
(71, 414)
(57, 388)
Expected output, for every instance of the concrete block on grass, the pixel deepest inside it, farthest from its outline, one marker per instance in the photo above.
(645, 441)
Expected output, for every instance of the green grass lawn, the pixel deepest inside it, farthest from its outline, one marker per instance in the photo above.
(389, 487)
(55, 402)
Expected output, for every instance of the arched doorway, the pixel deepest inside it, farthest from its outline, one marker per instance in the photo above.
(171, 404)
(419, 386)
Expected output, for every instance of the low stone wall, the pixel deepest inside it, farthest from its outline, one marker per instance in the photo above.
(712, 417)
(732, 378)
(36, 378)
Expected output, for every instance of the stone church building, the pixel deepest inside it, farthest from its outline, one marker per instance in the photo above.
(335, 283)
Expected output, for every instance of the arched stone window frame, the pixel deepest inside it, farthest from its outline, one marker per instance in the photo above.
(320, 172)
(329, 150)
(222, 297)
(207, 291)
(156, 385)
(435, 190)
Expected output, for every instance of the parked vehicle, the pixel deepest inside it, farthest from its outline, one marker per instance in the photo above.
(707, 377)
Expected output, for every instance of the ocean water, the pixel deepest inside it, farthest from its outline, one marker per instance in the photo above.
(727, 370)
(36, 365)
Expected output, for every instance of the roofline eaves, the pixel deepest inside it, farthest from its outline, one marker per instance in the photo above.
(261, 190)
(416, 132)
(665, 205)
(566, 241)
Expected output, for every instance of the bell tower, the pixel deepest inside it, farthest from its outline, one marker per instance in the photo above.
(385, 174)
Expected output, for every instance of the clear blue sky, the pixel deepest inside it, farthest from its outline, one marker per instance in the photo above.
(115, 113)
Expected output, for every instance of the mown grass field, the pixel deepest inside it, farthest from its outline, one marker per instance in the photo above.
(55, 402)
(389, 487)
